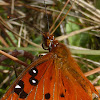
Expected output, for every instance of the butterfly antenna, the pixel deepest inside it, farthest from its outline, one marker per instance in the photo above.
(38, 29)
(59, 15)
(47, 17)
(62, 18)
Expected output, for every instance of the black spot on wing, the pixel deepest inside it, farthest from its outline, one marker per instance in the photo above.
(19, 87)
(62, 95)
(47, 96)
(23, 95)
(50, 78)
(33, 72)
(19, 90)
(33, 81)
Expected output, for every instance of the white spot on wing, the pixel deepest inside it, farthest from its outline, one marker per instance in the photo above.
(34, 71)
(17, 86)
(33, 81)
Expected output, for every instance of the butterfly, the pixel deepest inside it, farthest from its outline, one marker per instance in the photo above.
(55, 76)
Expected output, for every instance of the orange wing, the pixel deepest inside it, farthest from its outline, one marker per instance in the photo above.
(51, 78)
(31, 83)
(73, 84)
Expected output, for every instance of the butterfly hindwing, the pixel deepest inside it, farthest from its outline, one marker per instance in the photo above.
(75, 71)
(73, 89)
(76, 84)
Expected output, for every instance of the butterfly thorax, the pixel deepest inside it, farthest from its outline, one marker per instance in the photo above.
(55, 47)
(61, 51)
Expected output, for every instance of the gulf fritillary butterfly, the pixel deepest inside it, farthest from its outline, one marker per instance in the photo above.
(55, 76)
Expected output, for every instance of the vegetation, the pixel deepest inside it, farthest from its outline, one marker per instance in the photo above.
(22, 23)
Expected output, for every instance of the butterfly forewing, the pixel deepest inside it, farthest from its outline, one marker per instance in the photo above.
(25, 83)
(43, 88)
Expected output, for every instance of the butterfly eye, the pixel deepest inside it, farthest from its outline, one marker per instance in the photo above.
(33, 72)
(33, 81)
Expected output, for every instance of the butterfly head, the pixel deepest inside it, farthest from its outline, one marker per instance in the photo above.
(49, 42)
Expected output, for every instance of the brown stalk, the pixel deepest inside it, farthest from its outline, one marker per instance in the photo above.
(77, 32)
(13, 58)
(62, 19)
(3, 41)
(92, 71)
(59, 15)
(17, 53)
(6, 26)
(7, 35)
(98, 88)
